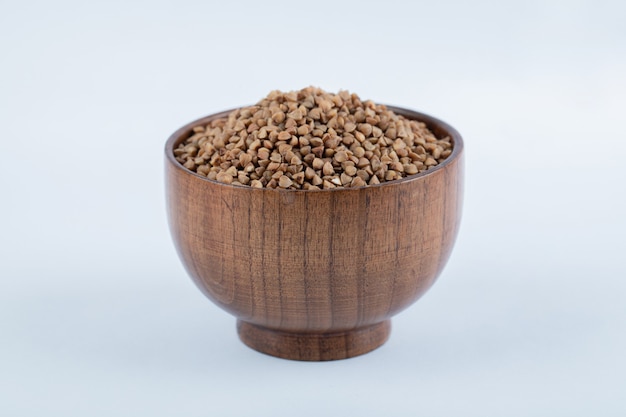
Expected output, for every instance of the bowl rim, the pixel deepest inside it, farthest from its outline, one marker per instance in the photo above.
(431, 122)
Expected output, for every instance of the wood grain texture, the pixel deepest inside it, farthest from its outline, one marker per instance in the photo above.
(315, 275)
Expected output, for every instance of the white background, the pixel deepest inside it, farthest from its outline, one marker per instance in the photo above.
(97, 316)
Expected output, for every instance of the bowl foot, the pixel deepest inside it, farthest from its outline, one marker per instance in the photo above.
(314, 346)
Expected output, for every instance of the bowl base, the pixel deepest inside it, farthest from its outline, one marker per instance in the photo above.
(314, 346)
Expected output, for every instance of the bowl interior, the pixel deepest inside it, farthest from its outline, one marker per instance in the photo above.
(439, 128)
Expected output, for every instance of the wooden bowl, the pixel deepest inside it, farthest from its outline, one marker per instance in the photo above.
(315, 275)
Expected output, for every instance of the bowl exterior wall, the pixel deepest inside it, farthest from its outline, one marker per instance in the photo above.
(315, 261)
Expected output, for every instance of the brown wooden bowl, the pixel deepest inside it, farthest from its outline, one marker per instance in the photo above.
(315, 275)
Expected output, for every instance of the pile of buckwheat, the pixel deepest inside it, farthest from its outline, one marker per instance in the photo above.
(311, 140)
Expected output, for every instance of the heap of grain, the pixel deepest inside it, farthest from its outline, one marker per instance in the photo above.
(311, 140)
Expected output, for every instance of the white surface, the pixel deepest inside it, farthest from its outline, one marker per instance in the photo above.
(98, 318)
